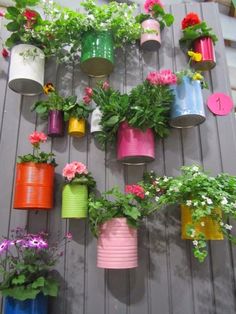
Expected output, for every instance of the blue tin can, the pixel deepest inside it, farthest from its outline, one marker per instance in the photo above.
(37, 306)
(188, 108)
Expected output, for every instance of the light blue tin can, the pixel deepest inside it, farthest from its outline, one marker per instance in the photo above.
(188, 108)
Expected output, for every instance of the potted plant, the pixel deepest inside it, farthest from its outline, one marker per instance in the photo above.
(77, 113)
(187, 110)
(28, 281)
(78, 183)
(206, 204)
(134, 118)
(201, 39)
(35, 177)
(105, 27)
(152, 23)
(115, 222)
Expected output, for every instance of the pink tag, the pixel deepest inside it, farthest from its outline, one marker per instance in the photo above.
(220, 104)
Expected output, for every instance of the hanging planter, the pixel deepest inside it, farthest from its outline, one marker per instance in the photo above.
(209, 227)
(134, 145)
(187, 110)
(76, 127)
(55, 123)
(97, 57)
(74, 201)
(205, 47)
(26, 74)
(95, 121)
(117, 245)
(151, 35)
(39, 305)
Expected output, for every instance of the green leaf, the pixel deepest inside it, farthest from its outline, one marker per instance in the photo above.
(19, 280)
(39, 282)
(12, 26)
(112, 121)
(12, 40)
(169, 19)
(21, 293)
(13, 11)
(51, 287)
(132, 212)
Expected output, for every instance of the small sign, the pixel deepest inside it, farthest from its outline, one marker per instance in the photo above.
(220, 104)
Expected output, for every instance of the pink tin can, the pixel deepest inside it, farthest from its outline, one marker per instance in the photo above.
(151, 35)
(205, 46)
(117, 246)
(135, 146)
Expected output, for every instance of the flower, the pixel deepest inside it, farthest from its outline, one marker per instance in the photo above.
(88, 91)
(197, 77)
(148, 5)
(190, 20)
(3, 246)
(224, 201)
(157, 198)
(86, 99)
(202, 223)
(195, 56)
(147, 193)
(209, 201)
(37, 242)
(30, 15)
(136, 190)
(48, 88)
(37, 137)
(69, 171)
(105, 86)
(195, 242)
(188, 202)
(69, 236)
(80, 168)
(164, 77)
(228, 227)
(2, 13)
(5, 53)
(153, 78)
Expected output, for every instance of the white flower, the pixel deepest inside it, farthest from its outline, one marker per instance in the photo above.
(209, 201)
(228, 227)
(193, 233)
(188, 202)
(224, 201)
(195, 168)
(157, 198)
(221, 223)
(158, 190)
(195, 242)
(147, 193)
(165, 179)
(195, 203)
(202, 223)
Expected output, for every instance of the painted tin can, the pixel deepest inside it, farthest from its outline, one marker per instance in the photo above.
(34, 186)
(39, 305)
(135, 146)
(74, 201)
(206, 47)
(26, 74)
(76, 127)
(95, 121)
(55, 123)
(151, 35)
(187, 110)
(117, 246)
(97, 56)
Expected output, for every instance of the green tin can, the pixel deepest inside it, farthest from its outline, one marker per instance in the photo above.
(74, 201)
(97, 56)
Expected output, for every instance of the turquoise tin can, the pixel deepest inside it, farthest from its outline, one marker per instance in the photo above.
(187, 109)
(97, 55)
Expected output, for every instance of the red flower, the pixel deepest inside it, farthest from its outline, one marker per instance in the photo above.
(5, 53)
(88, 91)
(136, 190)
(30, 15)
(37, 137)
(2, 13)
(190, 20)
(86, 99)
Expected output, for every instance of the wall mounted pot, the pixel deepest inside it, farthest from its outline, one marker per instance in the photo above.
(76, 127)
(135, 146)
(187, 109)
(151, 35)
(26, 75)
(34, 186)
(210, 228)
(97, 55)
(95, 120)
(74, 201)
(55, 123)
(205, 46)
(37, 306)
(117, 245)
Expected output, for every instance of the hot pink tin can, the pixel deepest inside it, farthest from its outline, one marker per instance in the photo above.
(205, 46)
(151, 35)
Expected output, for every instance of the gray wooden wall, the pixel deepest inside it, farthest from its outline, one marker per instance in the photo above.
(168, 280)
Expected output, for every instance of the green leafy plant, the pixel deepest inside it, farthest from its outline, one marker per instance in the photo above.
(36, 138)
(29, 259)
(206, 196)
(133, 205)
(193, 75)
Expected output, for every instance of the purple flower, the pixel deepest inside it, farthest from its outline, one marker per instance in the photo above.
(36, 242)
(69, 236)
(4, 246)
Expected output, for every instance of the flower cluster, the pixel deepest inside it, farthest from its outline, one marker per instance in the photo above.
(72, 169)
(37, 137)
(88, 95)
(148, 5)
(30, 15)
(190, 20)
(48, 88)
(163, 77)
(195, 56)
(136, 190)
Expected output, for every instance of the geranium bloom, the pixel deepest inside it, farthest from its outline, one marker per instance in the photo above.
(37, 242)
(136, 190)
(167, 77)
(4, 246)
(148, 5)
(48, 88)
(37, 137)
(30, 15)
(190, 20)
(88, 91)
(2, 14)
(5, 53)
(69, 171)
(105, 86)
(86, 99)
(153, 78)
(195, 56)
(69, 236)
(80, 168)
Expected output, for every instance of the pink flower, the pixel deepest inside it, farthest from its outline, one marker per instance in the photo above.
(136, 190)
(69, 171)
(105, 86)
(69, 236)
(153, 78)
(86, 99)
(37, 137)
(148, 5)
(4, 246)
(36, 242)
(167, 77)
(88, 91)
(5, 53)
(80, 168)
(2, 13)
